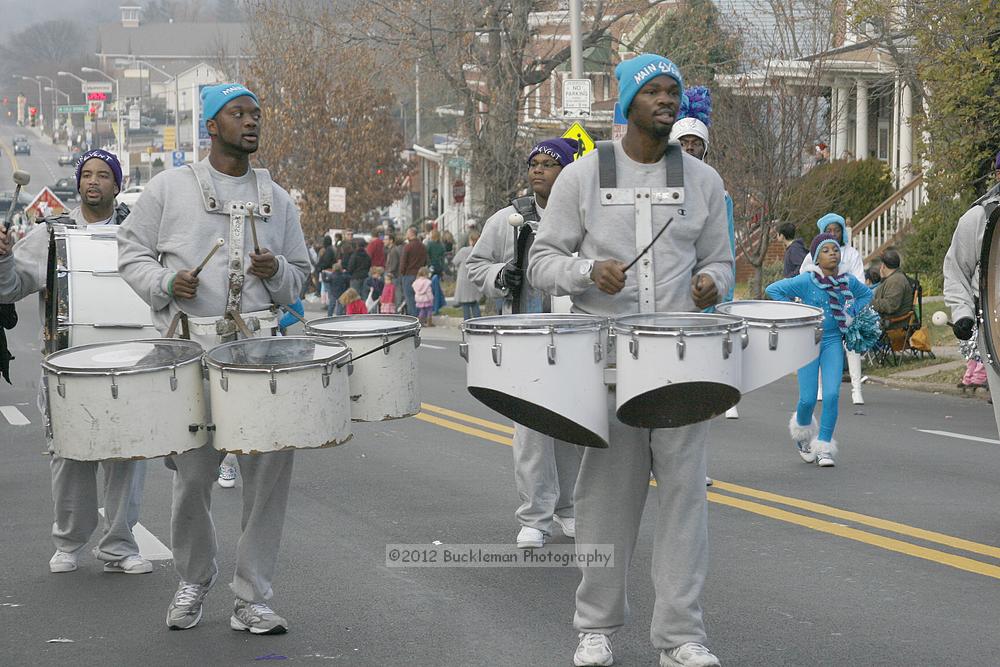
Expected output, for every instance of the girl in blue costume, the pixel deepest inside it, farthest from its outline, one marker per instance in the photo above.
(842, 297)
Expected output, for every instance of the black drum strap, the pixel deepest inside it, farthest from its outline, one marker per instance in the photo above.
(51, 301)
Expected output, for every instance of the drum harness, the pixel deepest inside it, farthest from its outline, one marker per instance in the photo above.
(523, 237)
(233, 323)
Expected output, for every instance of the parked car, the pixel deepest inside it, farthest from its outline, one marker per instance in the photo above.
(68, 159)
(21, 145)
(129, 196)
(65, 189)
(23, 199)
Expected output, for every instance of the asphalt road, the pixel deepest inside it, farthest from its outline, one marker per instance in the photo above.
(42, 164)
(891, 558)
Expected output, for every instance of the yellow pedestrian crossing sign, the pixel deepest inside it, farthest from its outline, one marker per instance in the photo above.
(577, 132)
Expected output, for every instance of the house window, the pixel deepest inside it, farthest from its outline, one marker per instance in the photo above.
(883, 140)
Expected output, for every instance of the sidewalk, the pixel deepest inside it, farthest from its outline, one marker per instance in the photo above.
(949, 358)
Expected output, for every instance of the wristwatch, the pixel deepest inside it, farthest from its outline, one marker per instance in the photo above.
(587, 268)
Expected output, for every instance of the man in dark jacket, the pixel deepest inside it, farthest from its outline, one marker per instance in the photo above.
(358, 266)
(795, 250)
(894, 294)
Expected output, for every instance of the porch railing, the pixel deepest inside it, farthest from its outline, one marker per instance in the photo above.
(890, 219)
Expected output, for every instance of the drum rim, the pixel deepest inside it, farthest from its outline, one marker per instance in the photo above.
(578, 322)
(734, 325)
(784, 322)
(131, 370)
(278, 368)
(406, 324)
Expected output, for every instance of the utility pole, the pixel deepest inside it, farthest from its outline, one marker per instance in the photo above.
(575, 40)
(416, 139)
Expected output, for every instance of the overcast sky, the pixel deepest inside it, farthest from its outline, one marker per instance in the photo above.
(19, 14)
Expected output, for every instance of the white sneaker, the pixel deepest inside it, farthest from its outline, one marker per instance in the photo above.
(856, 396)
(134, 564)
(62, 561)
(530, 538)
(593, 649)
(824, 460)
(732, 413)
(568, 524)
(709, 481)
(227, 476)
(688, 655)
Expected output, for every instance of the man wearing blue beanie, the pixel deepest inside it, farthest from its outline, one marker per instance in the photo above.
(180, 217)
(597, 221)
(545, 468)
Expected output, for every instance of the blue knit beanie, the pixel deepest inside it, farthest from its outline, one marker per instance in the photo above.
(635, 73)
(213, 98)
(108, 158)
(830, 218)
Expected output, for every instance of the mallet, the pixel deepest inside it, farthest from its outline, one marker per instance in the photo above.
(21, 178)
(253, 229)
(218, 244)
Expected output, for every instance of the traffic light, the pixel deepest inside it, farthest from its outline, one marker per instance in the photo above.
(32, 113)
(93, 113)
(379, 172)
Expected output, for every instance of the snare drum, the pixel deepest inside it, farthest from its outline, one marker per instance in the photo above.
(784, 337)
(89, 302)
(543, 371)
(384, 383)
(676, 369)
(270, 394)
(126, 400)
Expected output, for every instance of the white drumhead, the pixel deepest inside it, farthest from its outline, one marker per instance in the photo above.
(362, 325)
(557, 321)
(769, 311)
(676, 321)
(136, 355)
(276, 352)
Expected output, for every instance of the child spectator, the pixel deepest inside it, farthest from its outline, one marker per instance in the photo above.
(374, 284)
(387, 302)
(352, 302)
(423, 297)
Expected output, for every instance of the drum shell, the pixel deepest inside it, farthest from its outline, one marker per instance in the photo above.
(784, 337)
(657, 387)
(384, 384)
(566, 399)
(146, 420)
(302, 413)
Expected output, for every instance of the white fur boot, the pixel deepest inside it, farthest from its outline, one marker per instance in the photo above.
(801, 436)
(854, 367)
(824, 452)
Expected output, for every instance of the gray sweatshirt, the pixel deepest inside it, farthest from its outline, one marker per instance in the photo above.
(574, 221)
(961, 264)
(169, 230)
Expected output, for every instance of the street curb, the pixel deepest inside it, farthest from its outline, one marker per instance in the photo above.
(928, 387)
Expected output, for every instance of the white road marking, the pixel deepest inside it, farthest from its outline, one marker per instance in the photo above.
(150, 547)
(433, 347)
(960, 436)
(14, 416)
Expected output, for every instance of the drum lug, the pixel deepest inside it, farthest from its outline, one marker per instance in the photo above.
(60, 387)
(463, 350)
(598, 353)
(818, 336)
(223, 380)
(633, 347)
(326, 379)
(114, 387)
(416, 341)
(744, 339)
(273, 383)
(385, 341)
(497, 350)
(550, 352)
(772, 338)
(727, 346)
(173, 379)
(681, 346)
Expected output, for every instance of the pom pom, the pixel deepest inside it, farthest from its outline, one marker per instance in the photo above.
(696, 103)
(864, 331)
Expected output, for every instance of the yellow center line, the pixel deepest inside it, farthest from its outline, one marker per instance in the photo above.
(891, 544)
(888, 543)
(874, 522)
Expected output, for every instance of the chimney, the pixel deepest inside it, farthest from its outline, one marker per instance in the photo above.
(130, 16)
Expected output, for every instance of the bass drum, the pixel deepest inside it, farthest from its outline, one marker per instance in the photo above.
(988, 308)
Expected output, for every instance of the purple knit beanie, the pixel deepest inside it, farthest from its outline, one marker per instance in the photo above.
(821, 239)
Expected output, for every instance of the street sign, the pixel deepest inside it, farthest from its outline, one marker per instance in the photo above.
(338, 200)
(44, 204)
(170, 139)
(620, 124)
(576, 97)
(133, 117)
(178, 157)
(577, 132)
(73, 108)
(97, 86)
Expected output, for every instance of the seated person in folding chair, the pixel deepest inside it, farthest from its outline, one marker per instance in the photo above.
(893, 300)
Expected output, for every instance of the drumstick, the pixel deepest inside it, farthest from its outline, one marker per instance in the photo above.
(646, 249)
(253, 229)
(218, 244)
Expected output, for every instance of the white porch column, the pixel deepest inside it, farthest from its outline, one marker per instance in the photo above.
(861, 121)
(840, 119)
(906, 135)
(834, 105)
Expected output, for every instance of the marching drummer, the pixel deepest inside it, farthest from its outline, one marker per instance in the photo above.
(545, 469)
(182, 213)
(608, 216)
(23, 269)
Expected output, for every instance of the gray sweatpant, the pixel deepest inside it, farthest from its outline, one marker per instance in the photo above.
(74, 499)
(610, 495)
(545, 473)
(266, 478)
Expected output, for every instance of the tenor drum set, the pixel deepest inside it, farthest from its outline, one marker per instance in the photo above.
(553, 372)
(109, 397)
